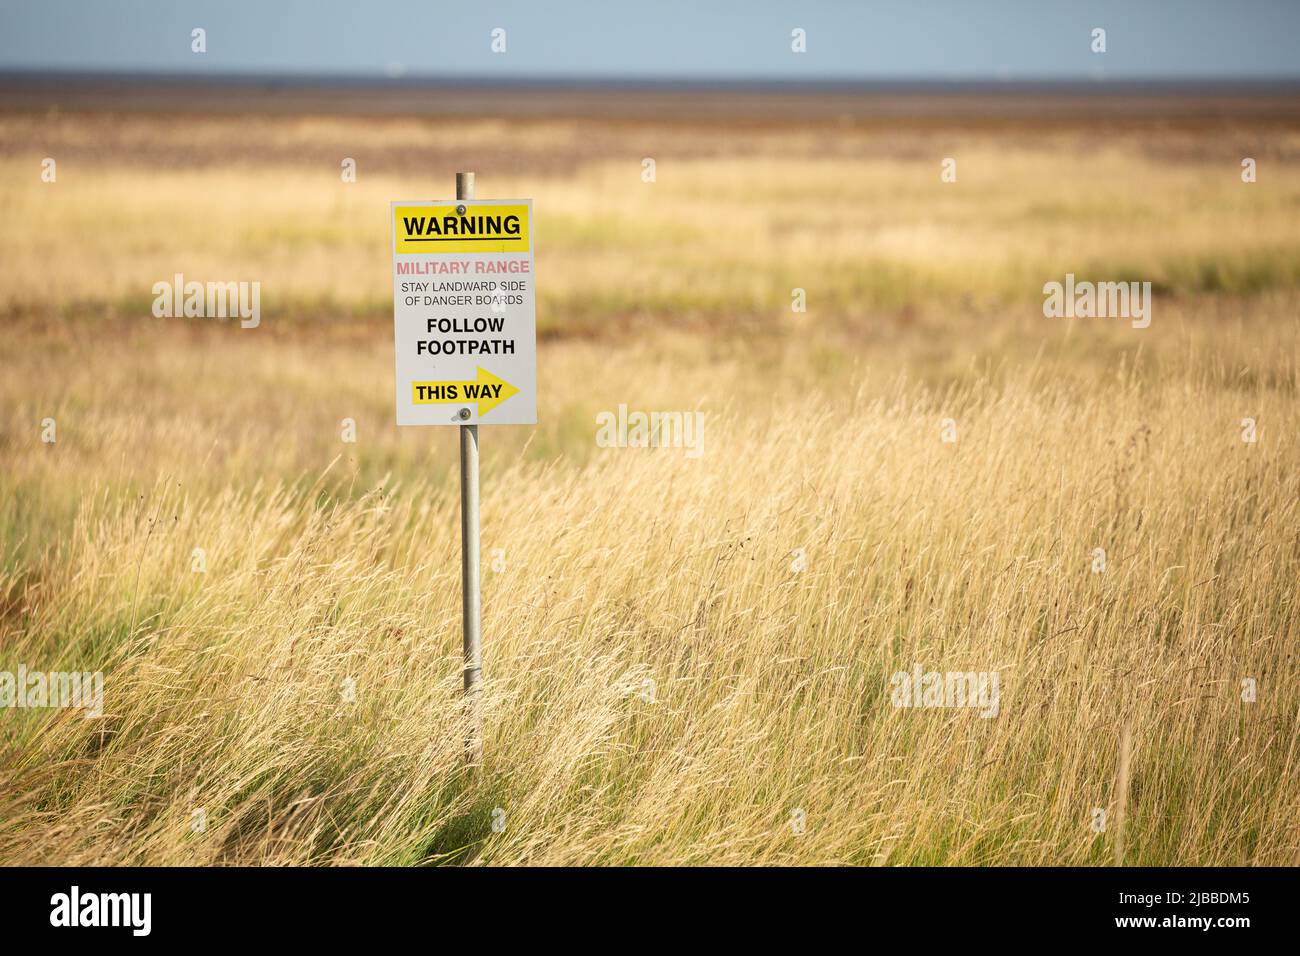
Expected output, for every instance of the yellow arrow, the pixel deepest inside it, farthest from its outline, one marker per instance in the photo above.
(488, 390)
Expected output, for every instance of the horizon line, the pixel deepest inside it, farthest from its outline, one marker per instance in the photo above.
(624, 82)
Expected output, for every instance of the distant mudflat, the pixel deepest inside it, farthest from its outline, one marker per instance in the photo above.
(732, 101)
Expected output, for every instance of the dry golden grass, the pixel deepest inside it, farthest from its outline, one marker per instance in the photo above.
(712, 236)
(664, 685)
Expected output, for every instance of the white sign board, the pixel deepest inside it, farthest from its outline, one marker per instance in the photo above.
(464, 312)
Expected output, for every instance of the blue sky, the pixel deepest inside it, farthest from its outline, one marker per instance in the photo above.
(665, 39)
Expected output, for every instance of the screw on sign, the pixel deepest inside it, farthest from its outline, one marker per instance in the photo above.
(465, 344)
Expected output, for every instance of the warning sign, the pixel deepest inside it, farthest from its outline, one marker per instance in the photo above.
(464, 312)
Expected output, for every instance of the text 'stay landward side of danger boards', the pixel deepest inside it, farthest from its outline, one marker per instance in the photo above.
(464, 312)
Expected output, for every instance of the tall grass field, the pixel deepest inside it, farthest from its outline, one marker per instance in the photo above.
(692, 655)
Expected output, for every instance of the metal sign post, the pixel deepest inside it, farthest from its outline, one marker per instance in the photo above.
(465, 351)
(470, 596)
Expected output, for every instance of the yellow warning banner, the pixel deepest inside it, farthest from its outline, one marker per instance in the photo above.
(483, 227)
